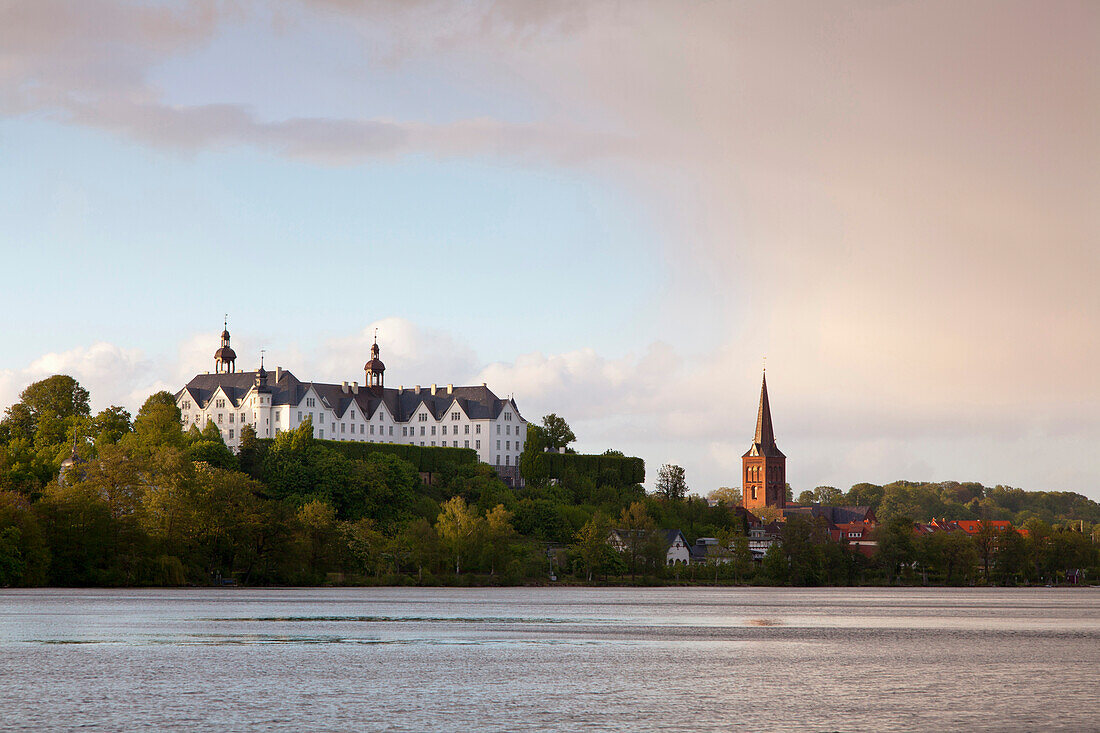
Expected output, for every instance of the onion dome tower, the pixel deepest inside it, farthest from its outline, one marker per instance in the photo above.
(374, 368)
(225, 359)
(764, 467)
(71, 468)
(261, 376)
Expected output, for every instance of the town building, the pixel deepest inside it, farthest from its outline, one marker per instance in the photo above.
(763, 467)
(764, 484)
(273, 402)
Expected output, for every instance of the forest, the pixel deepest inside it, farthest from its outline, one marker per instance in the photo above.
(144, 503)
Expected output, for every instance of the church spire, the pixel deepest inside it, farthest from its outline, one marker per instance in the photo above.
(765, 435)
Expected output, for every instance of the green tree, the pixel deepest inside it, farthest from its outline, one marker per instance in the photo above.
(157, 424)
(806, 497)
(420, 543)
(111, 424)
(499, 535)
(590, 543)
(896, 548)
(55, 399)
(729, 496)
(671, 483)
(557, 432)
(458, 529)
(637, 535)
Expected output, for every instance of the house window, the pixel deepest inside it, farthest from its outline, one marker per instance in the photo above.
(372, 430)
(498, 445)
(466, 429)
(467, 444)
(454, 415)
(231, 432)
(219, 418)
(231, 416)
(508, 429)
(444, 429)
(405, 432)
(322, 420)
(342, 426)
(421, 432)
(219, 403)
(478, 430)
(498, 428)
(391, 430)
(277, 416)
(321, 434)
(433, 432)
(478, 442)
(422, 417)
(299, 416)
(360, 428)
(353, 414)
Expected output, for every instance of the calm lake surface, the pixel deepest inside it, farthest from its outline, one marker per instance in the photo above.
(551, 659)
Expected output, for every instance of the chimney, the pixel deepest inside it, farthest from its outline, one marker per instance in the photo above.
(417, 389)
(344, 387)
(355, 387)
(433, 390)
(400, 389)
(278, 373)
(484, 384)
(450, 389)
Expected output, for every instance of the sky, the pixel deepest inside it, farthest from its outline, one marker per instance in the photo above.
(614, 211)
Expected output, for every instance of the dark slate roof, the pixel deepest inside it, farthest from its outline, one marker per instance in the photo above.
(478, 403)
(671, 535)
(763, 441)
(832, 514)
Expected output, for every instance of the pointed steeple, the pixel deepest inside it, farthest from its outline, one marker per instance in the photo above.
(763, 442)
(765, 436)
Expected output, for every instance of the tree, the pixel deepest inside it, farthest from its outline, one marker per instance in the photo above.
(671, 483)
(420, 541)
(458, 530)
(637, 534)
(158, 423)
(806, 497)
(111, 424)
(57, 398)
(828, 495)
(726, 495)
(498, 536)
(556, 431)
(895, 546)
(590, 543)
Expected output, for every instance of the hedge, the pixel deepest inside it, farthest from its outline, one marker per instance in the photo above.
(629, 470)
(427, 459)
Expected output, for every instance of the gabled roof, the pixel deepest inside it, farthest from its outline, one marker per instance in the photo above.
(478, 403)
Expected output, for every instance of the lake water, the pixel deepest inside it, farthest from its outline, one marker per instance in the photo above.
(551, 659)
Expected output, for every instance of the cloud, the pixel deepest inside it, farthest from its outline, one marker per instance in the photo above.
(113, 375)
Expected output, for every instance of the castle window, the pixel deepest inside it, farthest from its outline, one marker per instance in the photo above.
(422, 432)
(371, 429)
(478, 430)
(433, 433)
(754, 492)
(299, 416)
(466, 444)
(466, 429)
(231, 432)
(454, 415)
(353, 414)
(219, 418)
(444, 429)
(498, 428)
(478, 444)
(360, 429)
(507, 460)
(391, 429)
(498, 445)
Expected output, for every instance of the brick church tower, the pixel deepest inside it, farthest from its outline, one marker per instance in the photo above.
(764, 467)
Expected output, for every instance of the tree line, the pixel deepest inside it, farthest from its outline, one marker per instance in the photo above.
(150, 504)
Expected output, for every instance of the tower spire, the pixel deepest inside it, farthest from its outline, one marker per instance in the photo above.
(765, 435)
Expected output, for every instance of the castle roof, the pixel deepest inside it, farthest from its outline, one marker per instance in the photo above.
(478, 403)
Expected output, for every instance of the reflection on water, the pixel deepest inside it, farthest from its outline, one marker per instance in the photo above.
(551, 659)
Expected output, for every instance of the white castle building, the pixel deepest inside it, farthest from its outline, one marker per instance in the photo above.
(271, 402)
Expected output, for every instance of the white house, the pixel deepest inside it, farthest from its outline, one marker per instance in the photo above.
(272, 402)
(676, 546)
